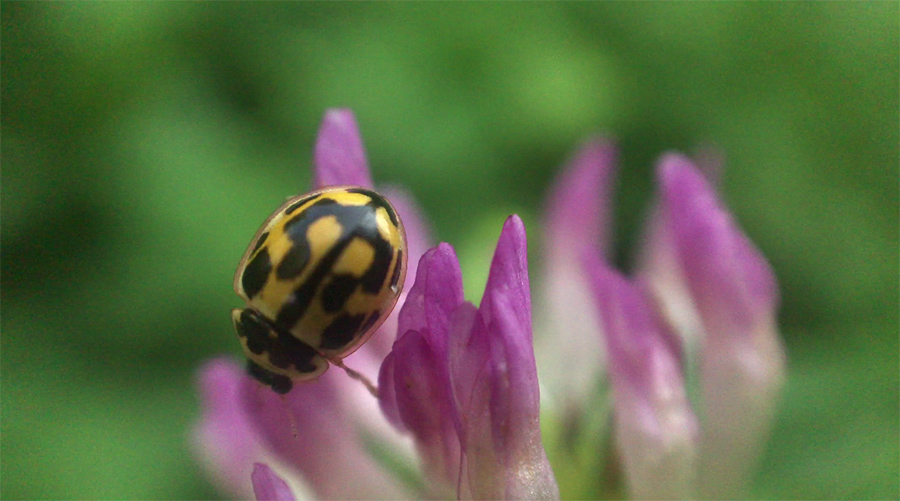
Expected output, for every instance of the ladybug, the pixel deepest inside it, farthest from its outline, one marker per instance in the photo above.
(319, 277)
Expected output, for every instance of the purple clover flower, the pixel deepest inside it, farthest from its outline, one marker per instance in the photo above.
(462, 380)
(703, 302)
(458, 408)
(474, 366)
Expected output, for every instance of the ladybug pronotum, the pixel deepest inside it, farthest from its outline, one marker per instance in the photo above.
(319, 277)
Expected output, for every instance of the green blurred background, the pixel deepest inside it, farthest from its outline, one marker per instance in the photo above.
(143, 143)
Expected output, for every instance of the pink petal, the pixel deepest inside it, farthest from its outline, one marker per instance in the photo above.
(503, 435)
(577, 218)
(471, 373)
(720, 262)
(433, 298)
(468, 355)
(508, 280)
(506, 312)
(736, 297)
(425, 406)
(329, 448)
(267, 485)
(225, 438)
(340, 158)
(655, 428)
(659, 263)
(387, 393)
(414, 383)
(659, 269)
(578, 211)
(438, 291)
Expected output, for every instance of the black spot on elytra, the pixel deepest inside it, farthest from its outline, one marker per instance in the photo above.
(297, 226)
(336, 293)
(355, 221)
(296, 205)
(373, 280)
(376, 201)
(259, 241)
(256, 273)
(294, 261)
(278, 383)
(342, 330)
(395, 277)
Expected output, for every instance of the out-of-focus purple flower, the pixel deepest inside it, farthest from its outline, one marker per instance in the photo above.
(577, 218)
(462, 380)
(340, 157)
(655, 427)
(704, 297)
(735, 295)
(225, 434)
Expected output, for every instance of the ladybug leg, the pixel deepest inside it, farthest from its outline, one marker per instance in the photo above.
(357, 376)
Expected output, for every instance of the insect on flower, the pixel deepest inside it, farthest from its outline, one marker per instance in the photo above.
(319, 277)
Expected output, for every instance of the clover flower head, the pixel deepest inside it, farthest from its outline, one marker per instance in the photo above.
(458, 384)
(462, 380)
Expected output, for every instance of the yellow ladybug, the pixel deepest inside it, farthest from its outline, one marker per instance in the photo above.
(319, 277)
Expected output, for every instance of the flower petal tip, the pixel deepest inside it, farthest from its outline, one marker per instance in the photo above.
(514, 227)
(268, 486)
(724, 270)
(578, 206)
(674, 160)
(508, 277)
(340, 158)
(443, 255)
(592, 159)
(437, 291)
(512, 246)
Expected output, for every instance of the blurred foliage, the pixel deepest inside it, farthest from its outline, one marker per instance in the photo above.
(143, 142)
